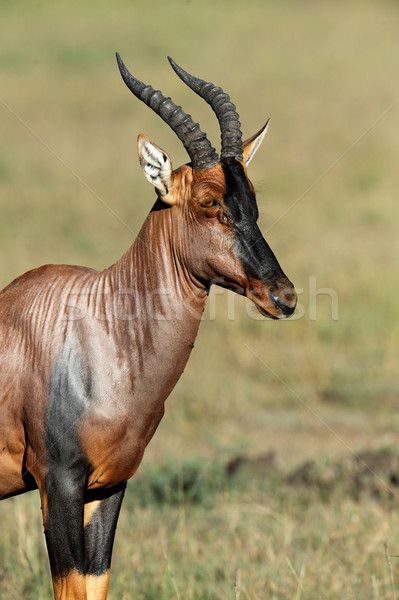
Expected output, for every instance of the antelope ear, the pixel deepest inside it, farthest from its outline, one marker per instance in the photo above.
(250, 146)
(157, 167)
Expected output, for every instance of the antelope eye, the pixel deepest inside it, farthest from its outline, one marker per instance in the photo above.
(209, 202)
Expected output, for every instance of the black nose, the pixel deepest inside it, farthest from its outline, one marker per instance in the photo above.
(285, 301)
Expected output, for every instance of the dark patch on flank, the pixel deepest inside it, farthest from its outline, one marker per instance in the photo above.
(68, 467)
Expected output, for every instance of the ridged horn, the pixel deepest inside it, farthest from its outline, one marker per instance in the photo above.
(224, 109)
(202, 154)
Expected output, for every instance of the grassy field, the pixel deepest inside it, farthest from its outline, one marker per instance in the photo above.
(275, 472)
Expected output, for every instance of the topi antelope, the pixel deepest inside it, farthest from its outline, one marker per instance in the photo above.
(88, 358)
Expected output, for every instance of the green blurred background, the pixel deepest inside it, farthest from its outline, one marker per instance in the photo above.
(302, 396)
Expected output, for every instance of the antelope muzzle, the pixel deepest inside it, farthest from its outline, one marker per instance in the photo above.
(276, 301)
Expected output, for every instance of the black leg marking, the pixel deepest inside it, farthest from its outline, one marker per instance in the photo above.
(100, 531)
(64, 523)
(68, 468)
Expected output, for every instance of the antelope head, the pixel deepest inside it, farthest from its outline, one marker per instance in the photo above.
(211, 200)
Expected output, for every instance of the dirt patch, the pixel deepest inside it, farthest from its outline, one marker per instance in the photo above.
(257, 465)
(373, 473)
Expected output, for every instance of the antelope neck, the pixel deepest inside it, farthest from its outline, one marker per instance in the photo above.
(154, 269)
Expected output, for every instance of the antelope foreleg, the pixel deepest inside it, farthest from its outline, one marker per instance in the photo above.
(101, 516)
(63, 509)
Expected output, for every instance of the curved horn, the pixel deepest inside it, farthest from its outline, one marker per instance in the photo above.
(200, 150)
(225, 110)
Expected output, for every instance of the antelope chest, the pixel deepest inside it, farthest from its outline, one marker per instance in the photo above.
(99, 419)
(114, 443)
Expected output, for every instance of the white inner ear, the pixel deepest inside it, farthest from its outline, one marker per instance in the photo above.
(252, 146)
(253, 149)
(156, 165)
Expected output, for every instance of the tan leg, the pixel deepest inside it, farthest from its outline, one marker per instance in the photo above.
(70, 587)
(97, 586)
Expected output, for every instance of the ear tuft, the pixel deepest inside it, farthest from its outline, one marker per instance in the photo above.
(251, 145)
(157, 167)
